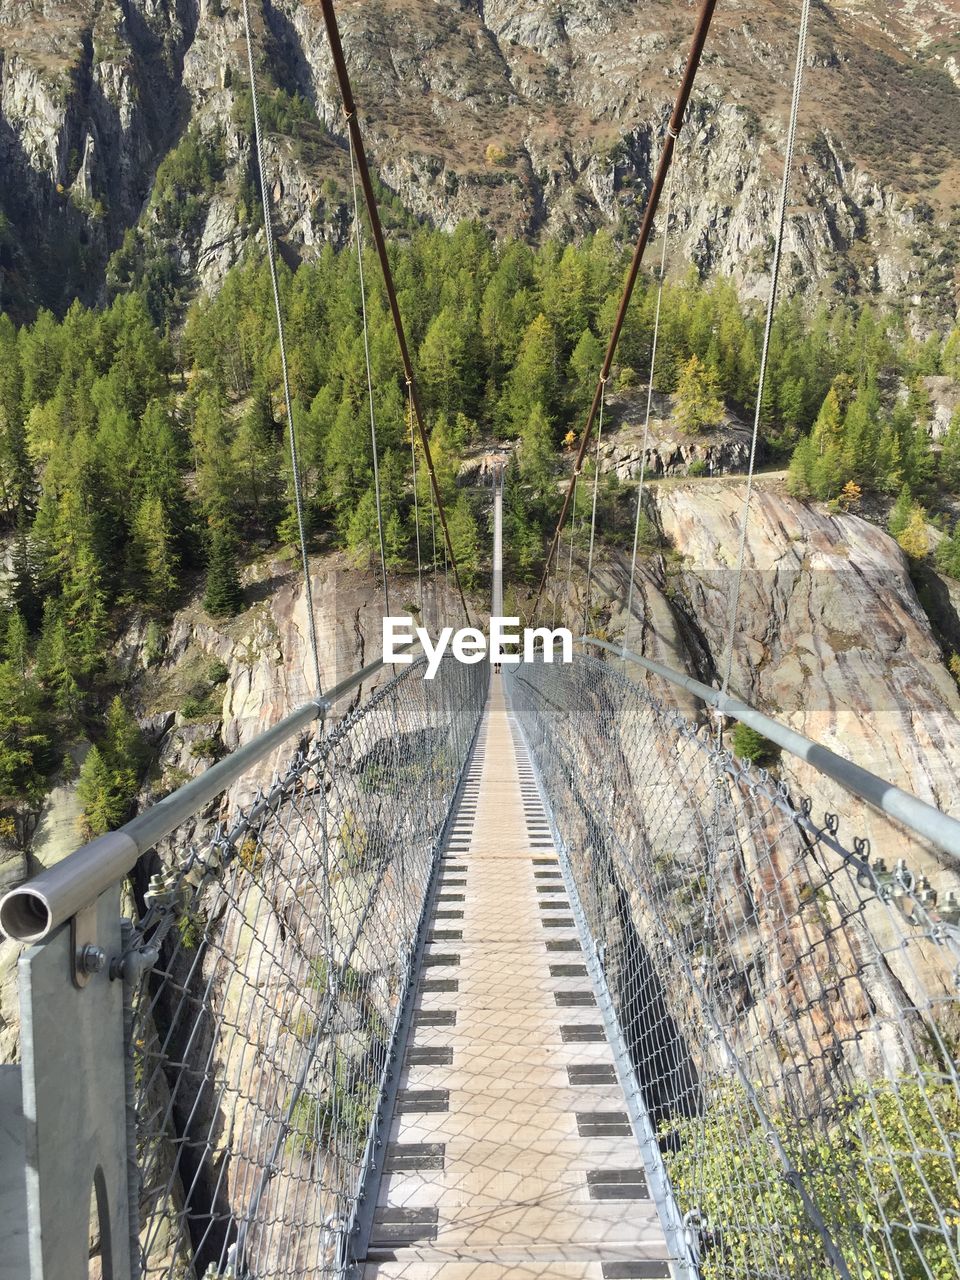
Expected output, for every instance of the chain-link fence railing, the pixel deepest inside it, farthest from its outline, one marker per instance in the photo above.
(790, 1001)
(281, 951)
(203, 1080)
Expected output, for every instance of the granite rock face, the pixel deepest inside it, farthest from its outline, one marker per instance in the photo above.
(830, 638)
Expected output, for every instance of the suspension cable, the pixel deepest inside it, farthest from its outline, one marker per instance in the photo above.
(350, 111)
(573, 531)
(646, 422)
(416, 502)
(288, 400)
(593, 514)
(433, 541)
(373, 416)
(653, 203)
(768, 327)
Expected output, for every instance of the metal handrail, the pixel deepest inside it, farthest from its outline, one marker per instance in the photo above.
(33, 910)
(924, 819)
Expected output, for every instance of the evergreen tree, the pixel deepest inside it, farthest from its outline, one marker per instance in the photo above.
(16, 645)
(25, 746)
(698, 405)
(465, 539)
(537, 453)
(533, 379)
(256, 464)
(950, 453)
(950, 360)
(104, 801)
(948, 553)
(913, 538)
(153, 559)
(224, 595)
(800, 471)
(585, 365)
(56, 664)
(212, 438)
(900, 514)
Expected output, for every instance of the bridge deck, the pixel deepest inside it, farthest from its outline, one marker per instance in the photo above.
(510, 1154)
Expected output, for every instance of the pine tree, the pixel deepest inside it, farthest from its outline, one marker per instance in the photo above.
(948, 553)
(698, 406)
(950, 453)
(537, 453)
(104, 802)
(153, 560)
(533, 379)
(913, 538)
(465, 539)
(25, 747)
(17, 642)
(800, 471)
(224, 595)
(212, 437)
(585, 365)
(950, 359)
(900, 514)
(56, 665)
(363, 537)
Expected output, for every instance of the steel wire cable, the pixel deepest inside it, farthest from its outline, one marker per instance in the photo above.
(593, 513)
(366, 352)
(376, 226)
(416, 504)
(688, 79)
(278, 309)
(767, 330)
(646, 420)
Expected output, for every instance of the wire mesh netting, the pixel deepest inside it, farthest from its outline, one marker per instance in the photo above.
(280, 953)
(790, 1004)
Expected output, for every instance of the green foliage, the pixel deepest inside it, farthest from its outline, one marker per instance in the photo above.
(26, 749)
(948, 553)
(698, 406)
(750, 745)
(111, 772)
(131, 469)
(224, 595)
(340, 1117)
(878, 1164)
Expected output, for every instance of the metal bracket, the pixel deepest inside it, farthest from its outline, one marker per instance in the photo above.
(87, 956)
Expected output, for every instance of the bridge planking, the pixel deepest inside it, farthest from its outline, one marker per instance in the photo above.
(511, 1167)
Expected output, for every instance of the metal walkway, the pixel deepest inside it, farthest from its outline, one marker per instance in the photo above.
(511, 1154)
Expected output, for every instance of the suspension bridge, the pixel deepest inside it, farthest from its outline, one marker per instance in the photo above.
(522, 975)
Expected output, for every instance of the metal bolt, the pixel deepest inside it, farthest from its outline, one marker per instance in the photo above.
(155, 890)
(91, 959)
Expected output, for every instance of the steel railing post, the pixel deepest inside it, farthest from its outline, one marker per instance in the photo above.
(74, 1098)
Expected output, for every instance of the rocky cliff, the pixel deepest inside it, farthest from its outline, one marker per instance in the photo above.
(535, 118)
(831, 639)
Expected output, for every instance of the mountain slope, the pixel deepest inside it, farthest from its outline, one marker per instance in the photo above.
(535, 118)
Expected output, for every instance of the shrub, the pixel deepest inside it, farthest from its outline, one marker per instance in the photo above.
(219, 673)
(877, 1165)
(750, 745)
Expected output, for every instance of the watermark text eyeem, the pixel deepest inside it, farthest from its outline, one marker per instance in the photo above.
(506, 643)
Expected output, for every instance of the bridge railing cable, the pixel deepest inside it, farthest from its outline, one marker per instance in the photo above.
(792, 1019)
(222, 985)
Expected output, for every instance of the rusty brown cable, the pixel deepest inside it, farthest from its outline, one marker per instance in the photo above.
(350, 111)
(650, 212)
